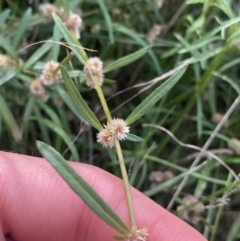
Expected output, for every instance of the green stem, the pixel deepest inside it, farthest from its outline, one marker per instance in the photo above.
(103, 100)
(84, 55)
(126, 184)
(66, 60)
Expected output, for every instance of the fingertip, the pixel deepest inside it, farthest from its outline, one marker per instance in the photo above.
(54, 212)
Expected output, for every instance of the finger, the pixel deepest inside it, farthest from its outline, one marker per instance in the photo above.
(36, 204)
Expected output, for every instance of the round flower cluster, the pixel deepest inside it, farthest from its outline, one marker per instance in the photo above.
(93, 70)
(138, 235)
(49, 74)
(115, 129)
(153, 33)
(6, 62)
(37, 89)
(46, 9)
(73, 23)
(190, 214)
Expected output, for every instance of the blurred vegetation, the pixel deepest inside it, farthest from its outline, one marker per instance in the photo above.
(208, 31)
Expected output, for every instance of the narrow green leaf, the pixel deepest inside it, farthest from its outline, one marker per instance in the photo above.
(22, 27)
(230, 81)
(119, 237)
(55, 46)
(224, 5)
(194, 1)
(73, 42)
(68, 101)
(28, 109)
(5, 44)
(233, 233)
(8, 75)
(112, 154)
(107, 17)
(79, 102)
(38, 54)
(65, 5)
(197, 24)
(155, 96)
(126, 60)
(109, 81)
(60, 132)
(45, 135)
(9, 121)
(4, 16)
(50, 112)
(133, 138)
(138, 40)
(82, 188)
(82, 78)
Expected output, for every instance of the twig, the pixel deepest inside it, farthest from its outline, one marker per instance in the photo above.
(194, 147)
(205, 147)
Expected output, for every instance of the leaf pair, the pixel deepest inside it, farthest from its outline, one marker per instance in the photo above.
(137, 113)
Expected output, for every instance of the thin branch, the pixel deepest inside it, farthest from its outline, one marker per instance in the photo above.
(194, 155)
(205, 147)
(194, 147)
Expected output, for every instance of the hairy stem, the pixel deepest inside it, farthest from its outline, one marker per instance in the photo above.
(103, 100)
(126, 184)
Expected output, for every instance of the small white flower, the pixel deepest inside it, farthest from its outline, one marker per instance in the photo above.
(49, 75)
(37, 89)
(95, 28)
(153, 33)
(6, 62)
(138, 235)
(46, 9)
(115, 129)
(93, 70)
(73, 23)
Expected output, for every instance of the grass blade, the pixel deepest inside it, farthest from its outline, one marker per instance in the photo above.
(233, 233)
(155, 96)
(56, 47)
(10, 74)
(134, 138)
(138, 40)
(73, 42)
(60, 132)
(8, 119)
(126, 60)
(4, 16)
(79, 102)
(38, 54)
(5, 44)
(68, 101)
(21, 30)
(82, 188)
(106, 15)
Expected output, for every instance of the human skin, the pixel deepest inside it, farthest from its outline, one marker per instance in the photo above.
(37, 205)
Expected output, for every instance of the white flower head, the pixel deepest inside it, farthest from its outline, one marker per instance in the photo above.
(95, 28)
(6, 62)
(115, 129)
(138, 235)
(49, 75)
(37, 89)
(153, 33)
(46, 9)
(195, 207)
(73, 23)
(93, 70)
